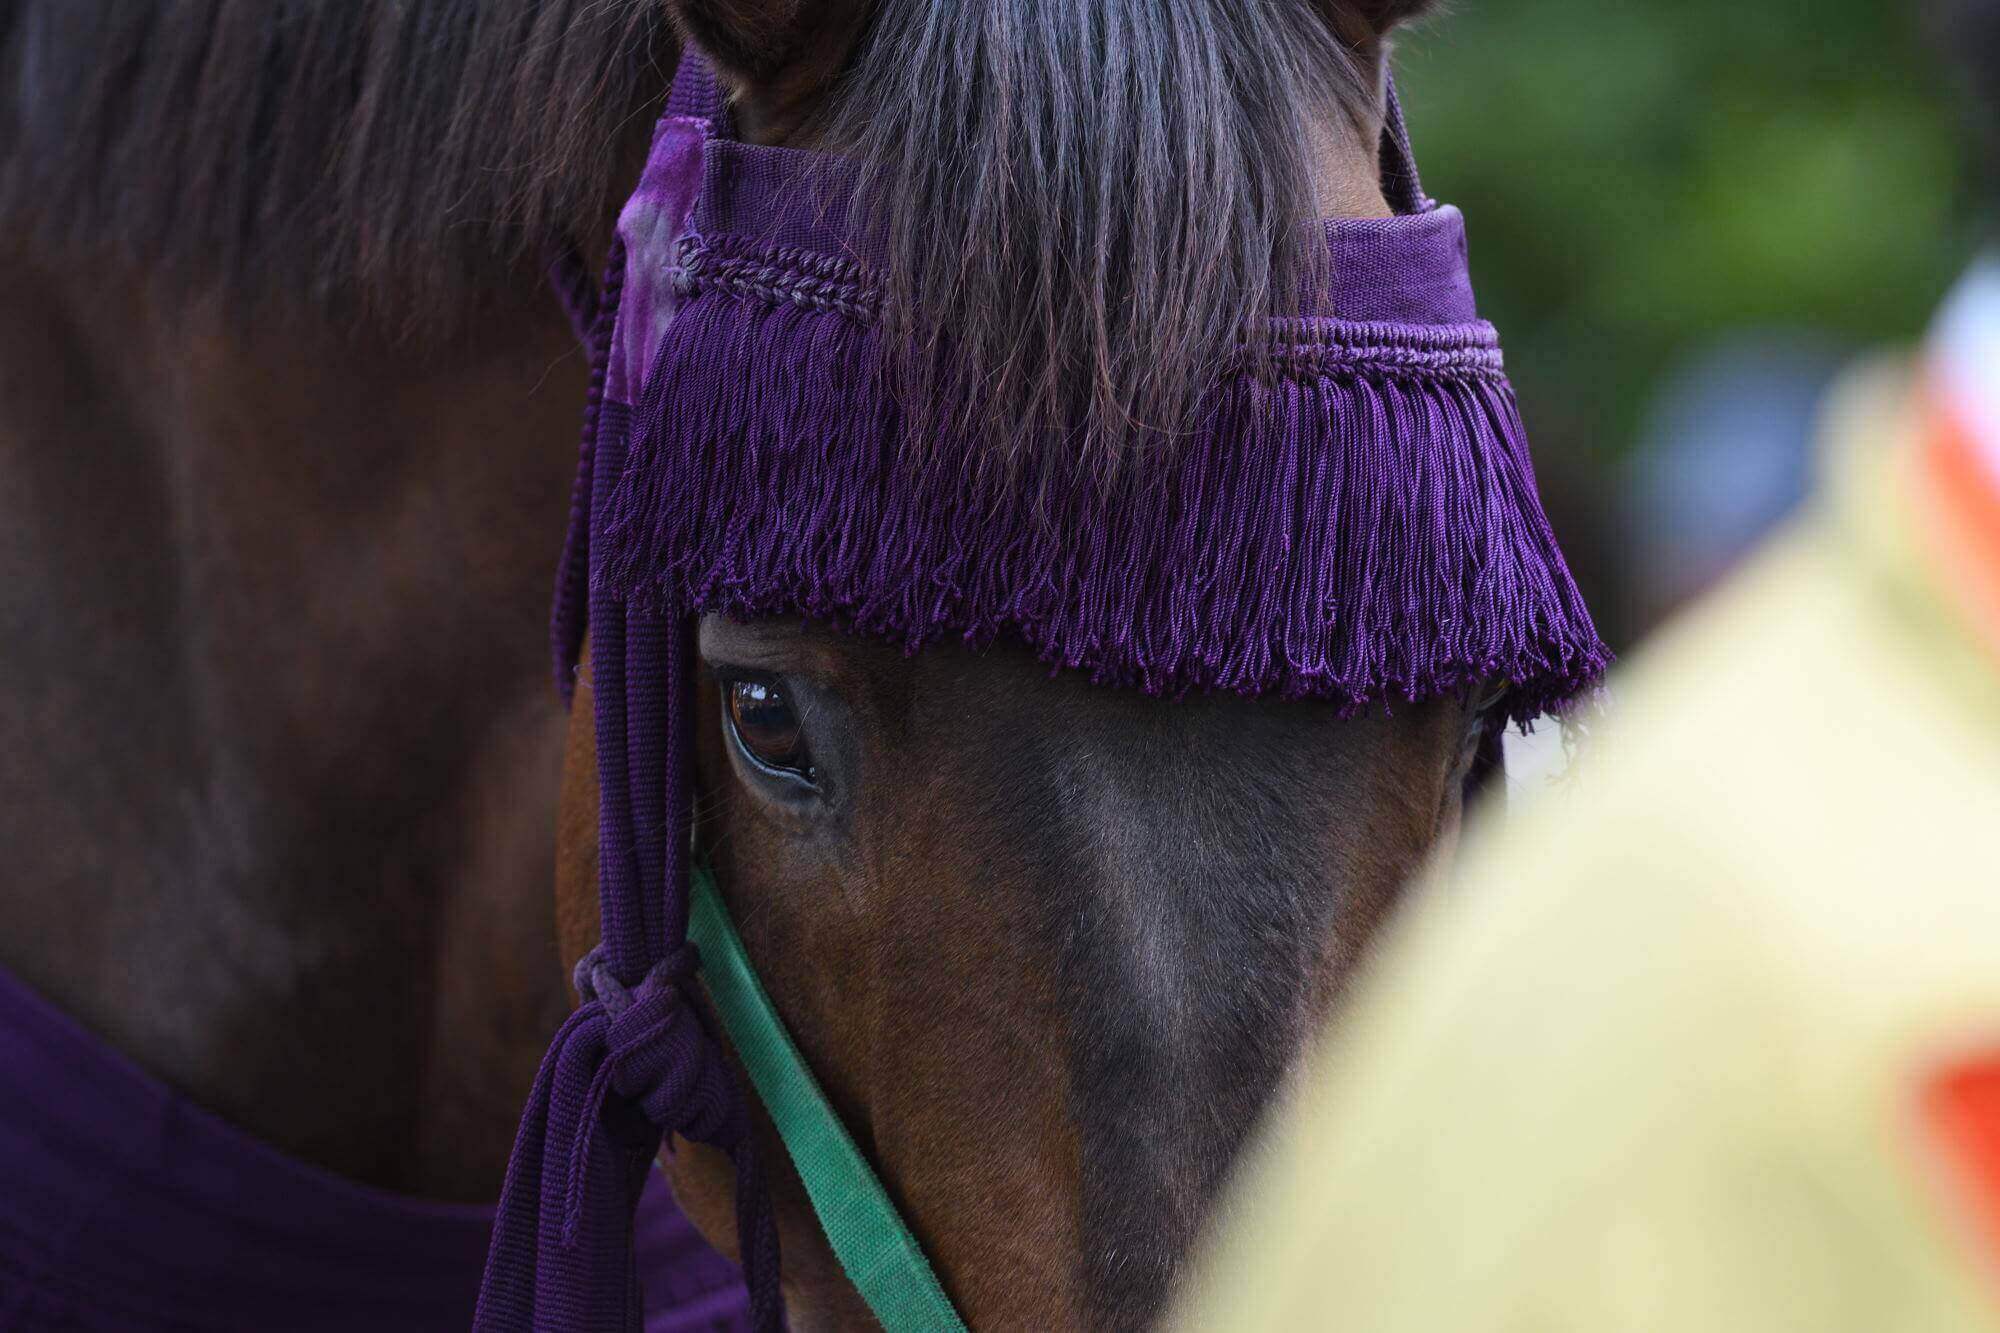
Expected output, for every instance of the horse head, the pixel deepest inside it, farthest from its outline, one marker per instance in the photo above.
(1050, 945)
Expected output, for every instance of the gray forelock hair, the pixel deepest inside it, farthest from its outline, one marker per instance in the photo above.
(1091, 203)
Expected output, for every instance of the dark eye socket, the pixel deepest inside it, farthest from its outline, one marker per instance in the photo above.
(767, 728)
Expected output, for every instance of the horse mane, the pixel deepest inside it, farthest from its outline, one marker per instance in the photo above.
(1087, 202)
(1086, 208)
(405, 158)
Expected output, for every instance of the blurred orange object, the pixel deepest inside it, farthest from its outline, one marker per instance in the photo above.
(1962, 1110)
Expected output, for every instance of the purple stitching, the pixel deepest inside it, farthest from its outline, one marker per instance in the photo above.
(785, 275)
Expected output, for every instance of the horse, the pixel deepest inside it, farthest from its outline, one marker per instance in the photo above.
(287, 405)
(283, 427)
(1050, 947)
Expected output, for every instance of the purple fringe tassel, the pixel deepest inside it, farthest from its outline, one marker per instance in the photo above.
(1361, 527)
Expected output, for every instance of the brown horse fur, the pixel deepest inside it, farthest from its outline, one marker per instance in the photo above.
(278, 752)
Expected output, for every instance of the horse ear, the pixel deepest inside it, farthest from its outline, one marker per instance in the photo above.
(778, 57)
(1366, 21)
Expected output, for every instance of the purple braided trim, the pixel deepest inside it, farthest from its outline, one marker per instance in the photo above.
(751, 269)
(746, 266)
(1458, 351)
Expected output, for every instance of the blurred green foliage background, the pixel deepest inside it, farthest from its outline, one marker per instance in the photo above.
(1642, 178)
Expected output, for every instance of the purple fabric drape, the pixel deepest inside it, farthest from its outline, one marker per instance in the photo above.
(125, 1208)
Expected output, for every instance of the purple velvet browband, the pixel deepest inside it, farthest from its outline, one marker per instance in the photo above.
(1358, 523)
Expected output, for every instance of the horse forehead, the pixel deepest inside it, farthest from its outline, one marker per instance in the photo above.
(1146, 848)
(1194, 824)
(1124, 759)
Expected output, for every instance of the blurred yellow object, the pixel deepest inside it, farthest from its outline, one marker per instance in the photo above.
(1657, 1056)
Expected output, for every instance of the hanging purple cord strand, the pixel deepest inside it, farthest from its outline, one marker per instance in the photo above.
(636, 1061)
(567, 617)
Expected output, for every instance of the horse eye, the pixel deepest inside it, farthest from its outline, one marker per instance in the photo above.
(767, 728)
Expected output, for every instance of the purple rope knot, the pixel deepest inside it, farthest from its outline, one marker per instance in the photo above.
(659, 1057)
(562, 1252)
(594, 979)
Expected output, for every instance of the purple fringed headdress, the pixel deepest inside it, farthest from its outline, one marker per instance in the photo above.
(1357, 521)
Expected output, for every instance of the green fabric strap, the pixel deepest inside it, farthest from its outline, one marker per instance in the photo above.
(881, 1258)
